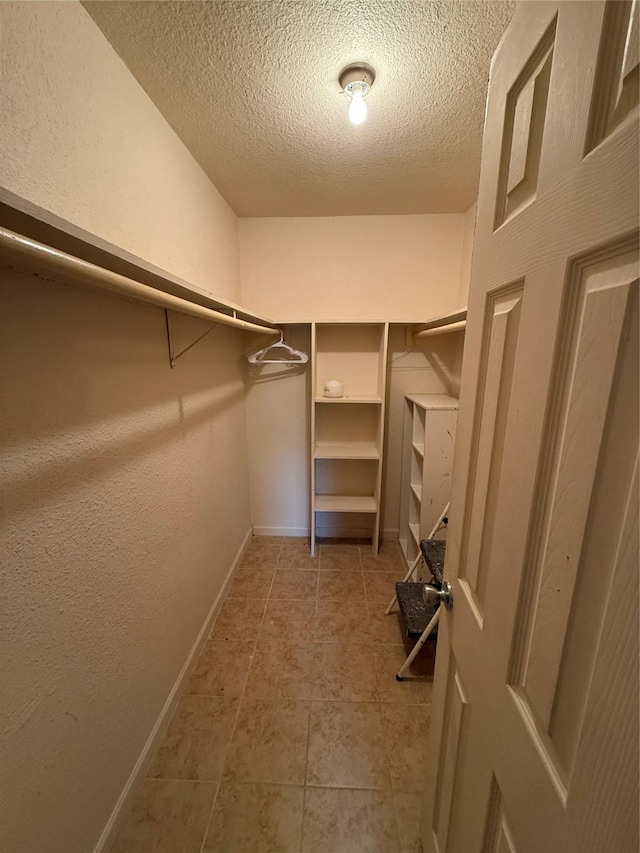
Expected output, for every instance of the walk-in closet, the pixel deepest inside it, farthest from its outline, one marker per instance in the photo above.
(319, 423)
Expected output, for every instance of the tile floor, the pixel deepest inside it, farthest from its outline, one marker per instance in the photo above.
(293, 734)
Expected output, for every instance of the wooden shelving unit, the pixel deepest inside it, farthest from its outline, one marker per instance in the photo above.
(347, 433)
(427, 457)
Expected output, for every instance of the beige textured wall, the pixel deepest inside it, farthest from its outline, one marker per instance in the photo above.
(352, 268)
(80, 137)
(125, 502)
(126, 495)
(278, 427)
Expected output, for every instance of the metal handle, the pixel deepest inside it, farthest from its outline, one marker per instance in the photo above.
(431, 595)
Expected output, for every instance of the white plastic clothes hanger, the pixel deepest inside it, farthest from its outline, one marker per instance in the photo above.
(295, 356)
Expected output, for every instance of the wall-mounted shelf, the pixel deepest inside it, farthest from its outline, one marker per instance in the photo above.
(345, 503)
(346, 450)
(353, 398)
(454, 321)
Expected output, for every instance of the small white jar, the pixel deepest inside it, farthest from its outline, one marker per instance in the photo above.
(333, 388)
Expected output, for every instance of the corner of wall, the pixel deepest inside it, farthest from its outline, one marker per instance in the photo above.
(467, 254)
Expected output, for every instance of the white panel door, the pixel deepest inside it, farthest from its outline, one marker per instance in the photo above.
(534, 738)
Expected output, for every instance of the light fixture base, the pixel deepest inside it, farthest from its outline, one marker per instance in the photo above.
(359, 72)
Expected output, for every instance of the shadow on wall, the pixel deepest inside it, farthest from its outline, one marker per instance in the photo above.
(278, 428)
(87, 386)
(444, 354)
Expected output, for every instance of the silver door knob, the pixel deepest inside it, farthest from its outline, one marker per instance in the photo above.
(432, 596)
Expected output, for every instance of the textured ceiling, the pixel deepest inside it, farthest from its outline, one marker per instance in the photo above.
(251, 88)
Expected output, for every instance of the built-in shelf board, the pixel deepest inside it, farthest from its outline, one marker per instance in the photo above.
(453, 317)
(419, 448)
(345, 503)
(415, 532)
(359, 398)
(417, 491)
(346, 450)
(27, 219)
(434, 402)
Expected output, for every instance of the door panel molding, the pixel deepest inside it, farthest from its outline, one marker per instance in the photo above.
(615, 91)
(587, 361)
(524, 122)
(495, 378)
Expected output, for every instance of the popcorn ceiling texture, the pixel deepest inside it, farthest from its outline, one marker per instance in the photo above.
(251, 88)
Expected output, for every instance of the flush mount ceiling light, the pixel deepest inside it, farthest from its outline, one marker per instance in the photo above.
(356, 80)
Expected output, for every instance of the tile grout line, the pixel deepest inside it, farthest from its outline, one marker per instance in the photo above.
(384, 730)
(235, 722)
(377, 701)
(306, 757)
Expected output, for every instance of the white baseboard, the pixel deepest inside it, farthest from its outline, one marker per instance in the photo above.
(139, 772)
(391, 533)
(281, 531)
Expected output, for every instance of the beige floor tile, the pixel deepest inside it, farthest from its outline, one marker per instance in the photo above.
(346, 821)
(339, 558)
(167, 816)
(296, 554)
(289, 621)
(221, 669)
(343, 621)
(269, 743)
(388, 559)
(417, 685)
(381, 586)
(408, 814)
(256, 818)
(406, 729)
(195, 744)
(282, 669)
(295, 585)
(346, 746)
(345, 672)
(340, 586)
(387, 629)
(239, 620)
(391, 547)
(251, 583)
(260, 557)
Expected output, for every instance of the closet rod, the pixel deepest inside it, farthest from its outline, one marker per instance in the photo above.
(441, 330)
(28, 254)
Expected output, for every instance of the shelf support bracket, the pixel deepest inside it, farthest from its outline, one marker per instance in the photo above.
(173, 357)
